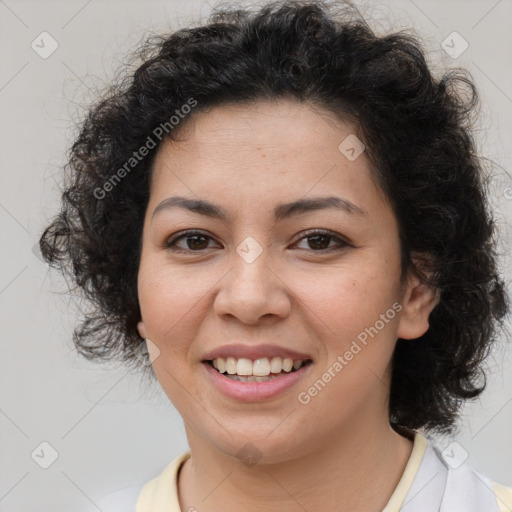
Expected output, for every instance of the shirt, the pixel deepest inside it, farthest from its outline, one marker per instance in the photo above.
(432, 481)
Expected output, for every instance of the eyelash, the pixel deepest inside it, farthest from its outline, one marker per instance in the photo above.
(169, 244)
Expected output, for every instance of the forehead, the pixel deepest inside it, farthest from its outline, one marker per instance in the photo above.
(261, 151)
(262, 125)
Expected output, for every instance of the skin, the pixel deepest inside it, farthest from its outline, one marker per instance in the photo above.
(320, 456)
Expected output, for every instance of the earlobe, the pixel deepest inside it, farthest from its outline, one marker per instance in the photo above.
(418, 302)
(142, 329)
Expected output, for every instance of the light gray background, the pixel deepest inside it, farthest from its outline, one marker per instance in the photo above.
(107, 431)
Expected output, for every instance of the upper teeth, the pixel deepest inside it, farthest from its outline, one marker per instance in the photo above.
(259, 367)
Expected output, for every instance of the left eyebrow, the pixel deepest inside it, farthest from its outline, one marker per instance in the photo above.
(282, 211)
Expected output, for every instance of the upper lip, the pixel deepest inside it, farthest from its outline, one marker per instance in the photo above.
(254, 352)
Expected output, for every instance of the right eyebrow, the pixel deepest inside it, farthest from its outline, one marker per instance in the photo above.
(199, 206)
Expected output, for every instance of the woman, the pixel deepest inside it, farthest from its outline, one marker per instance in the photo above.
(287, 211)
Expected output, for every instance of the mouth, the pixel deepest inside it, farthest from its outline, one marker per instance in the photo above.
(258, 370)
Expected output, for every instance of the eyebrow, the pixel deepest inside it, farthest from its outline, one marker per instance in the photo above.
(282, 211)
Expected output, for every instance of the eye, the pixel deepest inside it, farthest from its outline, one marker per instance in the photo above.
(319, 240)
(194, 241)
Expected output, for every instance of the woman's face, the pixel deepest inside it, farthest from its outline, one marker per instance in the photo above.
(258, 282)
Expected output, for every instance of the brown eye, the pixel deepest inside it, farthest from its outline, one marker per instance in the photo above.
(319, 241)
(196, 242)
(191, 241)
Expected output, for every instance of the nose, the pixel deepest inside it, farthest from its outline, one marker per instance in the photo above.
(251, 291)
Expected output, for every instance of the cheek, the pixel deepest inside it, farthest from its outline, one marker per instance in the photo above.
(356, 323)
(356, 317)
(172, 308)
(350, 298)
(170, 301)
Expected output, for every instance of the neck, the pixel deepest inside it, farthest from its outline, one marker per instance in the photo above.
(356, 471)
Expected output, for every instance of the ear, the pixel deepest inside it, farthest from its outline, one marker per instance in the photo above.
(418, 301)
(142, 329)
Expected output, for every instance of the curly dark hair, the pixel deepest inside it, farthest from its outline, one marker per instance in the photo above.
(418, 135)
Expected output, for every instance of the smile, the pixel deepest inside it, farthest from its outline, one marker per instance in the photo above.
(259, 370)
(239, 378)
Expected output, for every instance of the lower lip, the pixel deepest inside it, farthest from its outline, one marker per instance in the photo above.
(254, 391)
